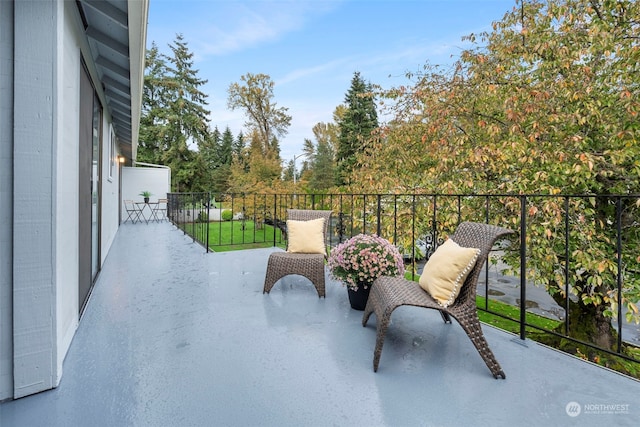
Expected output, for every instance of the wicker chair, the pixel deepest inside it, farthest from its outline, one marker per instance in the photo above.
(311, 266)
(387, 293)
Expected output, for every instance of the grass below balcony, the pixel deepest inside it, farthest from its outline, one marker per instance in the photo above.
(238, 235)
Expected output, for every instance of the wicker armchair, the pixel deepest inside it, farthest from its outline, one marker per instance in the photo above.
(387, 293)
(311, 266)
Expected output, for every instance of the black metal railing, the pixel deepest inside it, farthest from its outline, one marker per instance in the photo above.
(190, 212)
(574, 244)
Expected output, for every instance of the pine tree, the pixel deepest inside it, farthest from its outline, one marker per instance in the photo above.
(238, 145)
(359, 120)
(174, 116)
(224, 155)
(188, 103)
(152, 140)
(321, 157)
(226, 147)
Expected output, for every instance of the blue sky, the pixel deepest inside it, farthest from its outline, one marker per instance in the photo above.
(311, 48)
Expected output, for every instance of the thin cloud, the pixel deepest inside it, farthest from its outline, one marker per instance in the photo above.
(310, 71)
(243, 26)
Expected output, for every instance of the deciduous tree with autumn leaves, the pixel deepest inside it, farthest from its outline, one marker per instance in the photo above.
(546, 103)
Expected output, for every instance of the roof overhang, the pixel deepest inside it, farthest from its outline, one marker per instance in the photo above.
(116, 31)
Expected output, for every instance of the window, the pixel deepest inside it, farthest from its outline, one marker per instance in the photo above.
(113, 155)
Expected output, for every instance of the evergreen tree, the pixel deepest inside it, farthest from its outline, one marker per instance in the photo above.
(221, 175)
(359, 120)
(321, 157)
(209, 148)
(188, 100)
(238, 146)
(287, 172)
(174, 115)
(226, 147)
(152, 140)
(323, 174)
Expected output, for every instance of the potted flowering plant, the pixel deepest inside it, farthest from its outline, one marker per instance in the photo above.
(359, 261)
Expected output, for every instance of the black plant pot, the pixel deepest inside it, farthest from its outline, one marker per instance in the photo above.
(358, 299)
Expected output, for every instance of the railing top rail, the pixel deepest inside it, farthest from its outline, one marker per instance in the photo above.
(559, 195)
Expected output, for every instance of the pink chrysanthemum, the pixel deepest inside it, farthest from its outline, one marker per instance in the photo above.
(363, 258)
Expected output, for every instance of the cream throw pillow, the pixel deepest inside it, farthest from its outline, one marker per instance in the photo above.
(446, 271)
(306, 236)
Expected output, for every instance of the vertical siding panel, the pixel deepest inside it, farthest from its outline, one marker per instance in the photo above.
(6, 199)
(34, 159)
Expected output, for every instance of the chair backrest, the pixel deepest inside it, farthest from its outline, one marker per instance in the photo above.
(308, 214)
(483, 237)
(128, 205)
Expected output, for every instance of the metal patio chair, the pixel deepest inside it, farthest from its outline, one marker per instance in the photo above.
(133, 211)
(388, 293)
(311, 266)
(159, 210)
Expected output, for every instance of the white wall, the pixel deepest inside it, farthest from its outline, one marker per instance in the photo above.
(35, 129)
(110, 193)
(66, 188)
(137, 179)
(71, 39)
(41, 49)
(6, 199)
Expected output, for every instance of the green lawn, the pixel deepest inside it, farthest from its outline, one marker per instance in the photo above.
(512, 314)
(504, 313)
(236, 235)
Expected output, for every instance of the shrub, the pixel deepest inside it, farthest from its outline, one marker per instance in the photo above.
(227, 215)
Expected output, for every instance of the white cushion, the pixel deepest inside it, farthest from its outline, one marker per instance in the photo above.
(446, 271)
(306, 236)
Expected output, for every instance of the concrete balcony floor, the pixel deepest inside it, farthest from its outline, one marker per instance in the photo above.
(173, 336)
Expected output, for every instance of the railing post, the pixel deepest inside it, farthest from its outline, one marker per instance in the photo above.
(364, 213)
(232, 211)
(413, 232)
(255, 216)
(275, 207)
(523, 266)
(619, 266)
(567, 254)
(193, 219)
(379, 226)
(486, 270)
(434, 226)
(207, 221)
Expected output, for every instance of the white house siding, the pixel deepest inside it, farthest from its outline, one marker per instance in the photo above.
(110, 200)
(74, 48)
(42, 44)
(35, 118)
(6, 198)
(66, 187)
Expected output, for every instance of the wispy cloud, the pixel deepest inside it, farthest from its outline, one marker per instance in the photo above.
(241, 26)
(302, 73)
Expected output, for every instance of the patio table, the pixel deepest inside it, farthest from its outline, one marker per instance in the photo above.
(151, 216)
